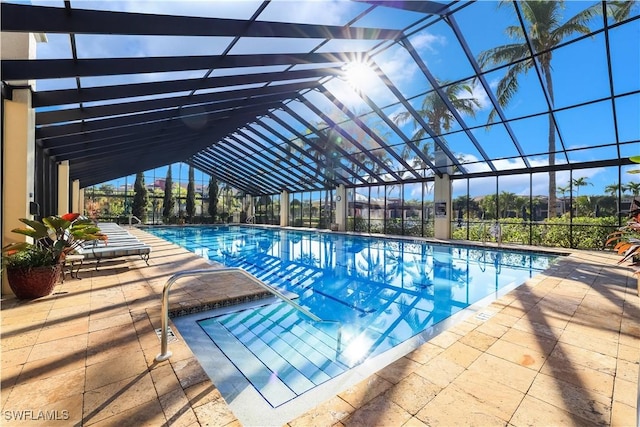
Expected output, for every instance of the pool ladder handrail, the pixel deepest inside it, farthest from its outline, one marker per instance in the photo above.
(165, 354)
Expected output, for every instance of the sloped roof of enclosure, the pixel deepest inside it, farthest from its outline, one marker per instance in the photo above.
(277, 95)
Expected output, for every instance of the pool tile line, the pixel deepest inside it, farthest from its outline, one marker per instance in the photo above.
(585, 305)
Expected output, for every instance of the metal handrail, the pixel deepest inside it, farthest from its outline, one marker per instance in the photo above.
(132, 217)
(165, 354)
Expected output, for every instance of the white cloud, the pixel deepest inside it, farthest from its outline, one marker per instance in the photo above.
(428, 41)
(478, 92)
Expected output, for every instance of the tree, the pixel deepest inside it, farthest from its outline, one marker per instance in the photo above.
(140, 198)
(169, 200)
(633, 187)
(213, 198)
(545, 32)
(506, 201)
(191, 195)
(488, 205)
(612, 189)
(564, 190)
(580, 182)
(107, 189)
(438, 116)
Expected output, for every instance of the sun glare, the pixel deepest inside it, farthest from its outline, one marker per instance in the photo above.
(358, 74)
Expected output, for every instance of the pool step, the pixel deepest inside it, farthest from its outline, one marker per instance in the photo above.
(279, 351)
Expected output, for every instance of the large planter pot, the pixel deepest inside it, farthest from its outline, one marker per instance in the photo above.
(35, 282)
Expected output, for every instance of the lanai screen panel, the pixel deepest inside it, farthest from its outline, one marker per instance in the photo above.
(341, 92)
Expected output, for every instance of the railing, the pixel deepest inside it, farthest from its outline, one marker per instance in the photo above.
(250, 219)
(165, 354)
(131, 217)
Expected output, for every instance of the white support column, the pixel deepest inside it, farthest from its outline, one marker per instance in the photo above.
(442, 198)
(18, 143)
(18, 160)
(63, 187)
(251, 210)
(341, 207)
(81, 201)
(284, 209)
(75, 197)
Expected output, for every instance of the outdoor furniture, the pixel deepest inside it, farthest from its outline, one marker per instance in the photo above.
(70, 261)
(119, 244)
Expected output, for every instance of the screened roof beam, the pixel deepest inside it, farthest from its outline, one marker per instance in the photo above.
(436, 139)
(25, 69)
(96, 170)
(300, 176)
(341, 150)
(247, 189)
(284, 158)
(232, 172)
(189, 143)
(406, 43)
(485, 85)
(211, 101)
(296, 170)
(422, 6)
(103, 93)
(313, 162)
(159, 129)
(141, 119)
(400, 133)
(306, 139)
(75, 151)
(337, 128)
(369, 131)
(116, 135)
(23, 18)
(611, 86)
(252, 188)
(159, 155)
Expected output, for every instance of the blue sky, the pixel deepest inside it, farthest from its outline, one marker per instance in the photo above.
(580, 70)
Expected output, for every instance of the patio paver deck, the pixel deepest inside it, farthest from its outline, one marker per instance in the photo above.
(562, 349)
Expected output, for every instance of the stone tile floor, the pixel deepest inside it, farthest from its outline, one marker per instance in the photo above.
(562, 349)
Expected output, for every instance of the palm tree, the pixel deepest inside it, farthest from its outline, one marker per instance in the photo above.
(612, 189)
(633, 187)
(545, 32)
(506, 201)
(580, 182)
(564, 190)
(438, 116)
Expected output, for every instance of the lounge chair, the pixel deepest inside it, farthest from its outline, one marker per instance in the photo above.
(117, 250)
(120, 243)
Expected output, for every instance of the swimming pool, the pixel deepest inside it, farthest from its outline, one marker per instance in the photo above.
(373, 294)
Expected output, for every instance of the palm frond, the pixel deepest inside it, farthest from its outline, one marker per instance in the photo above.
(503, 54)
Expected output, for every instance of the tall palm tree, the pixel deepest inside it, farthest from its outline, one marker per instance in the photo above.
(437, 116)
(545, 32)
(580, 182)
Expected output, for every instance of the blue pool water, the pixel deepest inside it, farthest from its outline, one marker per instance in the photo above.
(371, 293)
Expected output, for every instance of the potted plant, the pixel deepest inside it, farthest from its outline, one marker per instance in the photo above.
(33, 268)
(626, 240)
